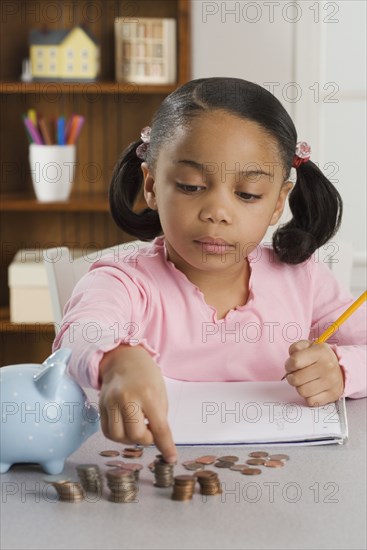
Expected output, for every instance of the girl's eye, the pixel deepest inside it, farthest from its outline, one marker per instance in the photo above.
(188, 188)
(247, 197)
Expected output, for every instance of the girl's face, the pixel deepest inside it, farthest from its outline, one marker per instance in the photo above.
(222, 178)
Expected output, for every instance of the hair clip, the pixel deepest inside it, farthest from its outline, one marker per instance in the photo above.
(142, 149)
(302, 154)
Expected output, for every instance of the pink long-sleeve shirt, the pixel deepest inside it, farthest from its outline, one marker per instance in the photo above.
(143, 299)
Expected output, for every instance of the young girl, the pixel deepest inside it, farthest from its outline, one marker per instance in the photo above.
(205, 300)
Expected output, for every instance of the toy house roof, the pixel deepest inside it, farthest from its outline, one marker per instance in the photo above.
(54, 37)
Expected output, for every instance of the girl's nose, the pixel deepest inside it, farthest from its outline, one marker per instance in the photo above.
(215, 210)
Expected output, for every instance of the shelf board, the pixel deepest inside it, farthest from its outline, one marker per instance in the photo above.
(90, 88)
(7, 326)
(80, 203)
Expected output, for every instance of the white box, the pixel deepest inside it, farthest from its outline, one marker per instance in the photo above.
(30, 300)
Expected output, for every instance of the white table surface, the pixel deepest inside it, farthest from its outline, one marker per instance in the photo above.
(318, 500)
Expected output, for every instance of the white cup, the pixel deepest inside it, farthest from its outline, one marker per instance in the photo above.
(52, 170)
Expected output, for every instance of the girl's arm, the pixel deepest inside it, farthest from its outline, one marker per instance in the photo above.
(133, 392)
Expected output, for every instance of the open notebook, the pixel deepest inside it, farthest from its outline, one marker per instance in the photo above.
(250, 413)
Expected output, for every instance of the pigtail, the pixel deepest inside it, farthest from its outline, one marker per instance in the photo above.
(126, 183)
(317, 209)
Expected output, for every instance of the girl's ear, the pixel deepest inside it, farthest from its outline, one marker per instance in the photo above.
(279, 207)
(149, 187)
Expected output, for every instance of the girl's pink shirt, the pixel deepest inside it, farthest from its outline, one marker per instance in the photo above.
(141, 298)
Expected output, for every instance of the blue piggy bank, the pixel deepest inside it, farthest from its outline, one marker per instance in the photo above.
(45, 414)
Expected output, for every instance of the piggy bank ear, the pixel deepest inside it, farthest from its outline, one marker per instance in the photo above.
(60, 356)
(49, 377)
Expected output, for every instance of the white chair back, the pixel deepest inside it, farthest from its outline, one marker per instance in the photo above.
(65, 267)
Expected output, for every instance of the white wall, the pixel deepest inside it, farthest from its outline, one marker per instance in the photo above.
(314, 54)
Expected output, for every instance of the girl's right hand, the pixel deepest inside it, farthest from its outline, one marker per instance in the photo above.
(132, 393)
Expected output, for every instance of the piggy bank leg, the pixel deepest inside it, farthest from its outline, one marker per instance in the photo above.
(4, 467)
(53, 466)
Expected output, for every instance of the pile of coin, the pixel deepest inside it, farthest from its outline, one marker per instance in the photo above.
(90, 477)
(209, 482)
(122, 484)
(123, 478)
(163, 472)
(257, 458)
(69, 491)
(183, 488)
(134, 467)
(262, 458)
(132, 452)
(199, 463)
(225, 461)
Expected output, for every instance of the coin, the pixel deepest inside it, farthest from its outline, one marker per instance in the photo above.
(205, 474)
(115, 463)
(133, 466)
(259, 454)
(61, 478)
(206, 459)
(251, 471)
(238, 467)
(192, 465)
(229, 458)
(278, 457)
(256, 461)
(109, 453)
(132, 453)
(151, 466)
(274, 463)
(223, 464)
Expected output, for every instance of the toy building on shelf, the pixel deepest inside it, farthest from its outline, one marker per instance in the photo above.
(64, 54)
(146, 50)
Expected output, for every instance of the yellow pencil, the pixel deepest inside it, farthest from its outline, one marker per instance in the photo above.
(32, 115)
(328, 332)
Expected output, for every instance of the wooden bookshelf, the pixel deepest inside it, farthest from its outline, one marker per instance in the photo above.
(115, 113)
(26, 203)
(87, 88)
(7, 326)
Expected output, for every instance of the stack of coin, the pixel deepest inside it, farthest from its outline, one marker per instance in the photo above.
(183, 488)
(163, 472)
(133, 467)
(69, 491)
(90, 477)
(132, 452)
(122, 485)
(209, 482)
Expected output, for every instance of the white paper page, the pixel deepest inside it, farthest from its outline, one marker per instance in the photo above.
(243, 412)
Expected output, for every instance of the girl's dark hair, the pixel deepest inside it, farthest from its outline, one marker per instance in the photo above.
(315, 203)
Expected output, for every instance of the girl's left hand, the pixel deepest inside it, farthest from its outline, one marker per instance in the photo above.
(313, 369)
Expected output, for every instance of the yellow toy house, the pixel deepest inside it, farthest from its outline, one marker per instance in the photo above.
(64, 54)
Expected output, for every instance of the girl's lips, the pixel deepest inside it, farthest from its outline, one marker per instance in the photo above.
(213, 247)
(213, 241)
